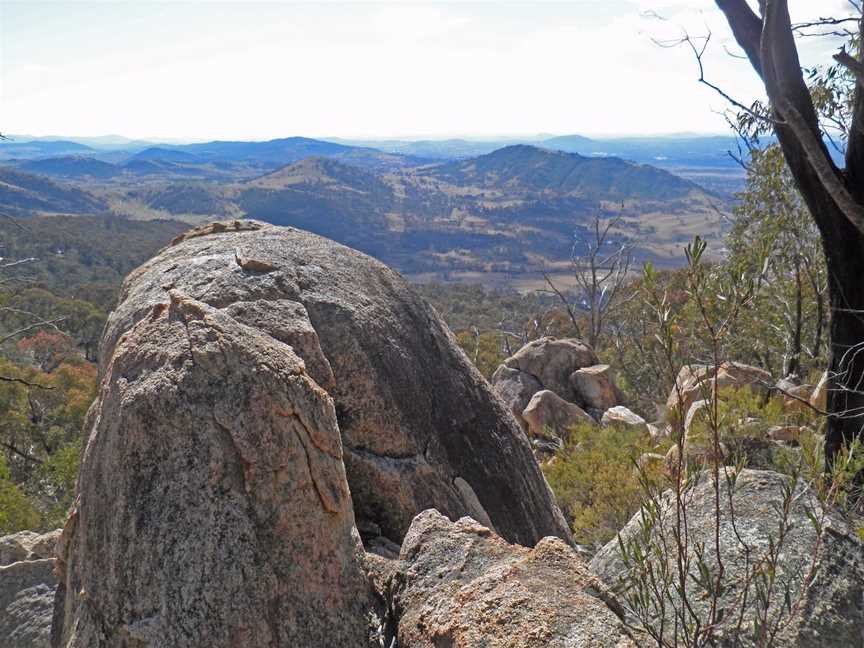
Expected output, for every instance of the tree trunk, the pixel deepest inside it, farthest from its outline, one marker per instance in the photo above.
(846, 361)
(835, 199)
(793, 360)
(820, 315)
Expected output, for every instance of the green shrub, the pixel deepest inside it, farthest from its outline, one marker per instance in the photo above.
(595, 479)
(16, 510)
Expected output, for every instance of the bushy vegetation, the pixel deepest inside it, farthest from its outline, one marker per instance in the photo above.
(41, 438)
(596, 478)
(58, 278)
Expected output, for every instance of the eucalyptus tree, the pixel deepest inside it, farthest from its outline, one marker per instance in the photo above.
(774, 233)
(833, 192)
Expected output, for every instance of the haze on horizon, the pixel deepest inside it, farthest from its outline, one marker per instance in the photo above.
(245, 70)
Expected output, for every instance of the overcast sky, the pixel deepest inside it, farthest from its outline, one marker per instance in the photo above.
(246, 70)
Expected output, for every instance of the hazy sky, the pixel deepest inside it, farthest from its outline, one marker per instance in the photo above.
(250, 70)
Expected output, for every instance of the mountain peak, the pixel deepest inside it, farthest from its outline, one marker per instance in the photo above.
(527, 168)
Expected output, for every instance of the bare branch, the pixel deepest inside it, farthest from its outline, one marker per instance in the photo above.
(26, 383)
(48, 323)
(21, 453)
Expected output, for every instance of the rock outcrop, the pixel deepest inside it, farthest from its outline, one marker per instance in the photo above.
(694, 383)
(551, 361)
(459, 585)
(551, 384)
(827, 614)
(420, 427)
(212, 506)
(27, 587)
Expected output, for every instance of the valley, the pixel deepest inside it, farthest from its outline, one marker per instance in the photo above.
(500, 218)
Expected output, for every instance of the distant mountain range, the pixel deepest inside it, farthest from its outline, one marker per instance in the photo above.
(211, 159)
(681, 149)
(516, 210)
(703, 159)
(28, 150)
(706, 150)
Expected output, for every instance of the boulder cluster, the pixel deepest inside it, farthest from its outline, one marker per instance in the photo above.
(688, 409)
(288, 449)
(551, 384)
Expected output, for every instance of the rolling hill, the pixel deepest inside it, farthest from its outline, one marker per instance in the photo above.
(26, 194)
(514, 211)
(24, 150)
(530, 169)
(71, 166)
(167, 155)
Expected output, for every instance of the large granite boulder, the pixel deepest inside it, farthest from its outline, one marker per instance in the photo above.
(459, 585)
(212, 505)
(552, 361)
(826, 614)
(420, 426)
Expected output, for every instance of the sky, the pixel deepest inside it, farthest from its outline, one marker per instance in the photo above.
(201, 70)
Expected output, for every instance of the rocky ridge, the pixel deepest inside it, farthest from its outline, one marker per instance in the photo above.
(264, 393)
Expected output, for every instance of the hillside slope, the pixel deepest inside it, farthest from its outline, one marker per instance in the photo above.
(24, 194)
(523, 168)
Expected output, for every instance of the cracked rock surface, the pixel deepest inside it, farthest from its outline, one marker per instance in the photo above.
(458, 585)
(827, 613)
(212, 506)
(420, 426)
(27, 586)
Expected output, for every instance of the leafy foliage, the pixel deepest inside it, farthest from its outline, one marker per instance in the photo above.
(595, 479)
(16, 509)
(41, 434)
